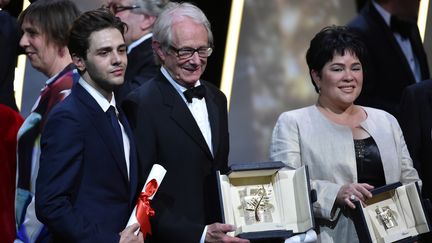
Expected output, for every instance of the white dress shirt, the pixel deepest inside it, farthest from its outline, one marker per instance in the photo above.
(137, 42)
(197, 107)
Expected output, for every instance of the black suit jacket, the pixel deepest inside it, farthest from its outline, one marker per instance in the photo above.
(387, 71)
(416, 124)
(166, 133)
(83, 193)
(141, 68)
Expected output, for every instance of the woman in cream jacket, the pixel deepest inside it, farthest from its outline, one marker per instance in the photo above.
(349, 149)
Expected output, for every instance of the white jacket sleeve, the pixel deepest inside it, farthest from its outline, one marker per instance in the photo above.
(286, 147)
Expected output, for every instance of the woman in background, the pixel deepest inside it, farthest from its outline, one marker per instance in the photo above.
(349, 149)
(45, 25)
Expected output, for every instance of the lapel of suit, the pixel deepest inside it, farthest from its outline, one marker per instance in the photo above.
(419, 53)
(181, 114)
(133, 160)
(213, 114)
(428, 97)
(104, 128)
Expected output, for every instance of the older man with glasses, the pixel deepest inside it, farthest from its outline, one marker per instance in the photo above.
(180, 121)
(139, 15)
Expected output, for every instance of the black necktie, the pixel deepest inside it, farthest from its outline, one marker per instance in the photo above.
(112, 116)
(400, 26)
(195, 92)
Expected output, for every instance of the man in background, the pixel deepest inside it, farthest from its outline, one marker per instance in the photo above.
(139, 15)
(416, 123)
(396, 57)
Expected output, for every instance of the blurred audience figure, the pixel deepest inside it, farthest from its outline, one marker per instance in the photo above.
(139, 15)
(349, 149)
(9, 38)
(10, 121)
(13, 7)
(416, 123)
(396, 57)
(45, 25)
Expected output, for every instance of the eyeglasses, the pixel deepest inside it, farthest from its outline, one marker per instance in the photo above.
(117, 8)
(188, 52)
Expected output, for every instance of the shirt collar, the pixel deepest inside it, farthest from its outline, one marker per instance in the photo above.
(384, 14)
(53, 78)
(100, 99)
(139, 41)
(180, 89)
(50, 80)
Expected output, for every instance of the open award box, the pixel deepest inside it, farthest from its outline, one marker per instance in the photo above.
(266, 201)
(395, 213)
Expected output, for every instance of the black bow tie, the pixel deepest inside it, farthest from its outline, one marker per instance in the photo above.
(400, 26)
(195, 92)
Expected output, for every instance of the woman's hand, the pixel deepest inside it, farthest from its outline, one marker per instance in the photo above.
(352, 192)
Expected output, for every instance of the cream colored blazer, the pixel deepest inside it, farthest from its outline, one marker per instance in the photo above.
(306, 137)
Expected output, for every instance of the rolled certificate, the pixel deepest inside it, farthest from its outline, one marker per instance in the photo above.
(142, 211)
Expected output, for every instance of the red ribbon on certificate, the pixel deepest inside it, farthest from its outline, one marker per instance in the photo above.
(143, 210)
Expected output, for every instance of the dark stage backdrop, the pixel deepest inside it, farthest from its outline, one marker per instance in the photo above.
(271, 75)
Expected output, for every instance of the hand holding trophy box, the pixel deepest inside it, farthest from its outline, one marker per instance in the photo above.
(266, 201)
(142, 211)
(395, 213)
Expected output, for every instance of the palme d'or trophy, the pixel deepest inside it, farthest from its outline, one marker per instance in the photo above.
(256, 204)
(386, 216)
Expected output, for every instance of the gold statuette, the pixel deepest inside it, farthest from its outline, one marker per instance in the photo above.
(256, 204)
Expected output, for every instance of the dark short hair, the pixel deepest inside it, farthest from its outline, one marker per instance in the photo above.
(53, 17)
(86, 24)
(331, 41)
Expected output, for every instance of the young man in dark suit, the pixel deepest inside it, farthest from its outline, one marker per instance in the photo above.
(184, 132)
(87, 182)
(396, 57)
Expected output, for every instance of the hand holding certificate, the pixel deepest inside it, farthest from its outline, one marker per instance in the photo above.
(142, 211)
